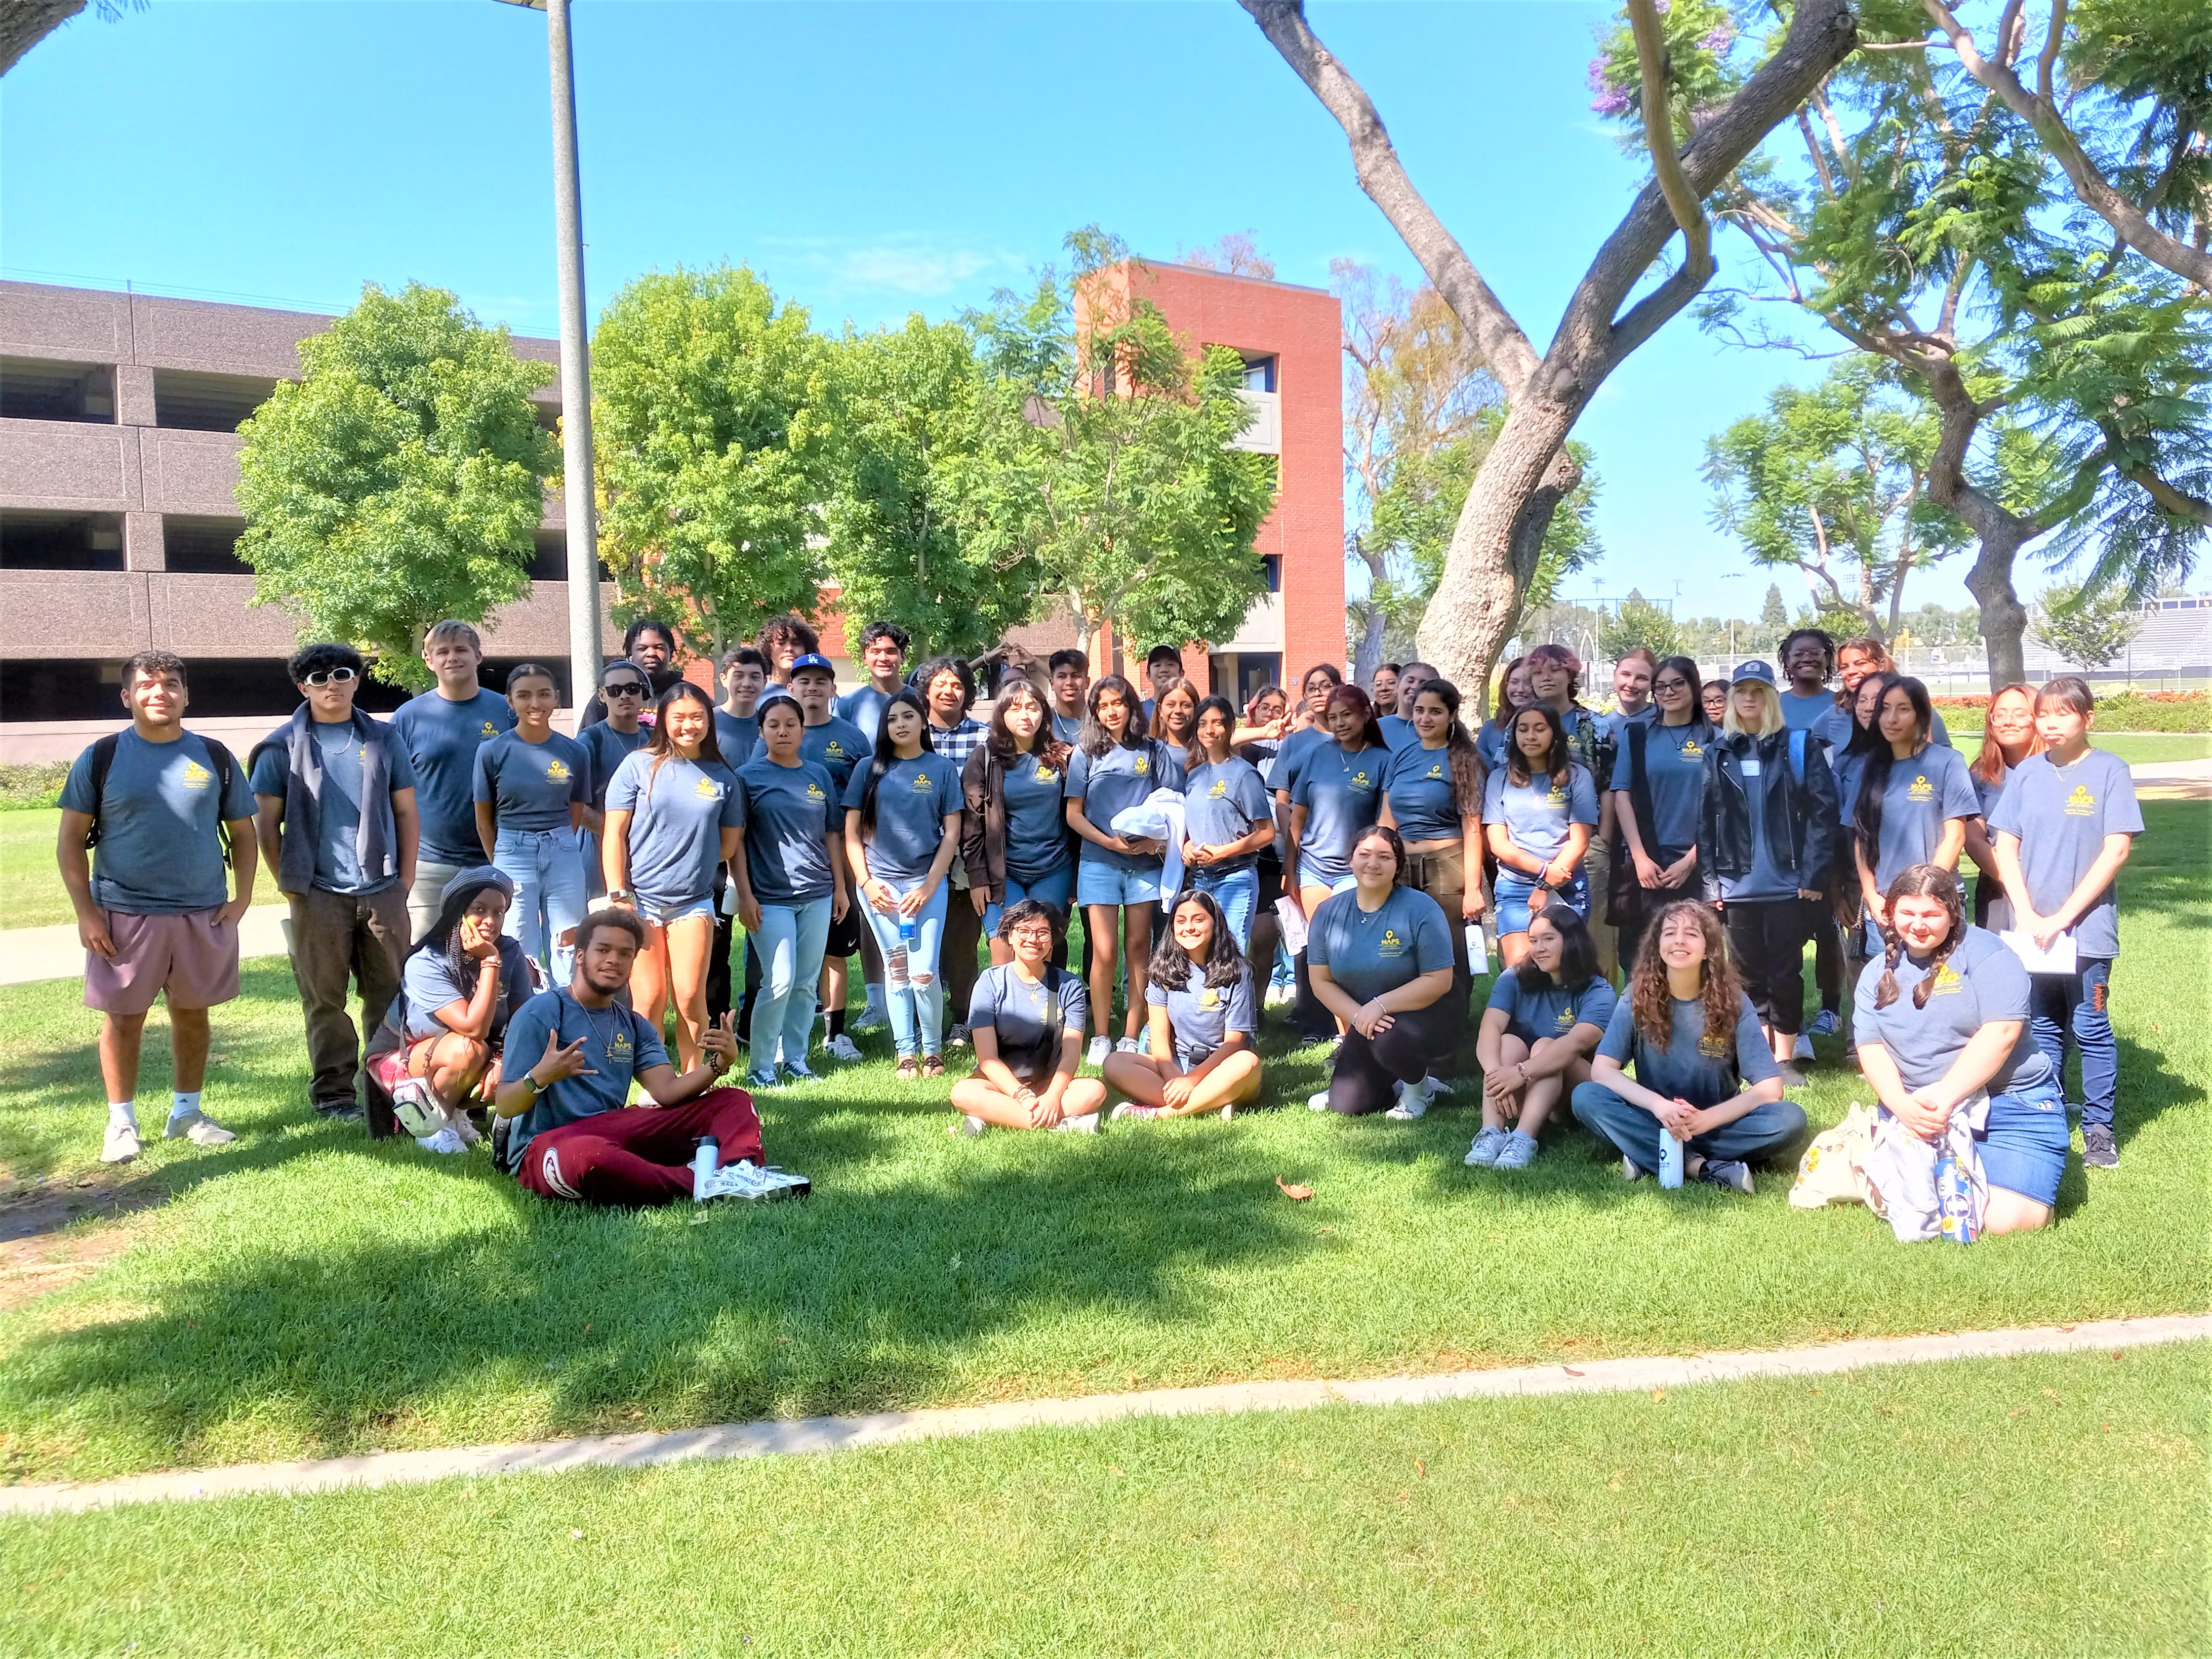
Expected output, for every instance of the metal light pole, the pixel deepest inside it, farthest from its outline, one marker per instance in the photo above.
(578, 517)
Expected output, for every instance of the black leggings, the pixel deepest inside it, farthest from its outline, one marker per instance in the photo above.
(1415, 1042)
(1767, 940)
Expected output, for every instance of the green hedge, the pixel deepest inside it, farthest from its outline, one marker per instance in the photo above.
(24, 786)
(2129, 711)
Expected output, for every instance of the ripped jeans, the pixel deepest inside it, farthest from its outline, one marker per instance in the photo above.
(911, 982)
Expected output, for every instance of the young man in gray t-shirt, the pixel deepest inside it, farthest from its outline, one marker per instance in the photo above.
(154, 908)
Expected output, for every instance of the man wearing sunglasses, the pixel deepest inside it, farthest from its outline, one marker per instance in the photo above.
(441, 731)
(625, 690)
(649, 644)
(338, 829)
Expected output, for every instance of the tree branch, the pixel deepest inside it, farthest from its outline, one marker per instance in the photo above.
(2090, 184)
(1384, 176)
(1651, 59)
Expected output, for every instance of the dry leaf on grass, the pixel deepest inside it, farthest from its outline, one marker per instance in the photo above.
(1292, 1191)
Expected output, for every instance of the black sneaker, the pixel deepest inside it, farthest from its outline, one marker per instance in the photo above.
(2098, 1149)
(340, 1111)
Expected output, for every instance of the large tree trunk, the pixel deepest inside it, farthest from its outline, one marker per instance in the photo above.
(2004, 618)
(1367, 654)
(1497, 543)
(24, 23)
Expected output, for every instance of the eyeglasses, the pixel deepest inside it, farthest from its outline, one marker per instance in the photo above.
(329, 677)
(1040, 931)
(1670, 686)
(624, 688)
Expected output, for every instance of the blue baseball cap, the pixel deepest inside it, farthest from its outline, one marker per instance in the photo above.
(814, 659)
(1753, 669)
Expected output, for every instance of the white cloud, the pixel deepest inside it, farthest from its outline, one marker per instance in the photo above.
(917, 265)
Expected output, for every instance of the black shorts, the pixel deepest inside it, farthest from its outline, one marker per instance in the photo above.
(1269, 868)
(844, 937)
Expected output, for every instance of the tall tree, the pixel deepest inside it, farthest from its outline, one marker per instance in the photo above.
(398, 480)
(1105, 458)
(1234, 254)
(1695, 144)
(1773, 620)
(2087, 627)
(1832, 481)
(915, 406)
(1638, 623)
(714, 413)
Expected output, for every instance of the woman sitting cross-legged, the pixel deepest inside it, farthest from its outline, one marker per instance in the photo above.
(1944, 1017)
(1205, 1021)
(1026, 1019)
(440, 1045)
(1704, 1074)
(1546, 1014)
(1380, 955)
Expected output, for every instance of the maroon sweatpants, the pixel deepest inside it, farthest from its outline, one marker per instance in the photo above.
(639, 1155)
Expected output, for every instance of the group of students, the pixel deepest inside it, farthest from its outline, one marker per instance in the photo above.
(448, 862)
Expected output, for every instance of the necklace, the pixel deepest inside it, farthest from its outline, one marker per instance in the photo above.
(603, 1036)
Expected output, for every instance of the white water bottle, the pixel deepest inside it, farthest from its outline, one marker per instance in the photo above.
(1670, 1158)
(704, 1162)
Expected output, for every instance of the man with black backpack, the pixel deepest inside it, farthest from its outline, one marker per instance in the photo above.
(154, 915)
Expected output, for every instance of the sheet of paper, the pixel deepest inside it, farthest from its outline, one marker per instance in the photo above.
(1294, 924)
(2060, 958)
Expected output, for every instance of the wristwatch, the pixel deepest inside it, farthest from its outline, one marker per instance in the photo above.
(620, 895)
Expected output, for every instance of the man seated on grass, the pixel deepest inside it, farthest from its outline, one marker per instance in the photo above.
(571, 1055)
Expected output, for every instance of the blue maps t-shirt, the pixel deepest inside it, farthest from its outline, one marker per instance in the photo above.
(677, 818)
(1552, 1011)
(159, 852)
(912, 803)
(618, 1044)
(836, 746)
(1225, 803)
(528, 785)
(1703, 1067)
(1201, 1015)
(1538, 814)
(1037, 838)
(1675, 772)
(1371, 951)
(1341, 790)
(1423, 799)
(1029, 1018)
(1113, 781)
(1980, 983)
(788, 813)
(441, 738)
(337, 817)
(2061, 816)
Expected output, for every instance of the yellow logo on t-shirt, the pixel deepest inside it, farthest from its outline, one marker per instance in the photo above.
(620, 1048)
(1715, 1047)
(1948, 982)
(1046, 774)
(1359, 779)
(814, 792)
(1566, 1019)
(1143, 767)
(2080, 804)
(1691, 751)
(706, 790)
(1558, 797)
(1220, 788)
(556, 772)
(921, 785)
(1392, 945)
(1921, 789)
(1435, 770)
(1209, 998)
(193, 775)
(836, 750)
(490, 730)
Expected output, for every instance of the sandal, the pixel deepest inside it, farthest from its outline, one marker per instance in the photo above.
(908, 1069)
(932, 1066)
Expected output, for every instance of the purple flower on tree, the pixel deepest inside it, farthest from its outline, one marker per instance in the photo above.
(1718, 39)
(1611, 101)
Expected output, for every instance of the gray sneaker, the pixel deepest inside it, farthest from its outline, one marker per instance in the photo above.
(1518, 1152)
(1488, 1143)
(1727, 1172)
(744, 1180)
(198, 1128)
(2099, 1151)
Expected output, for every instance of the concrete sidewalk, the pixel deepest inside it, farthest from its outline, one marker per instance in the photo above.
(790, 1437)
(36, 953)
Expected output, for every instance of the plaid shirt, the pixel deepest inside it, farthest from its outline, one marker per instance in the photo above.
(956, 743)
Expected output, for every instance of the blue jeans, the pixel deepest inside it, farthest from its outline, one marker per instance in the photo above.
(790, 940)
(1054, 888)
(911, 984)
(1764, 1132)
(548, 873)
(2077, 1004)
(1237, 893)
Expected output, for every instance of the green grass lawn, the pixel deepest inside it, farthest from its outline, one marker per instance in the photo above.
(306, 1293)
(2143, 749)
(2040, 1506)
(31, 891)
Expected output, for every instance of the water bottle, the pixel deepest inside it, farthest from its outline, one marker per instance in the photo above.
(909, 934)
(1670, 1158)
(703, 1164)
(1955, 1199)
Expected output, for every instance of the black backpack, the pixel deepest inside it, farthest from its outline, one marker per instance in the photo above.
(103, 762)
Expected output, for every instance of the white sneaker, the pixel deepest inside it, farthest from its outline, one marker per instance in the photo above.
(1488, 1143)
(1436, 1088)
(1317, 1102)
(1412, 1102)
(956, 1037)
(969, 1126)
(841, 1047)
(199, 1128)
(871, 1018)
(1281, 996)
(744, 1180)
(446, 1140)
(1100, 1048)
(1128, 1046)
(1228, 1111)
(120, 1145)
(1804, 1049)
(1085, 1125)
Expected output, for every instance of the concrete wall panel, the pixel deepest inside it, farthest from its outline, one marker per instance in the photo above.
(219, 338)
(73, 613)
(197, 616)
(69, 324)
(192, 472)
(62, 464)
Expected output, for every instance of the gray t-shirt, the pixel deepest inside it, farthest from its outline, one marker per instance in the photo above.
(1225, 803)
(1398, 732)
(1291, 755)
(1112, 782)
(441, 738)
(529, 786)
(429, 983)
(618, 1044)
(677, 818)
(607, 749)
(736, 735)
(1835, 727)
(863, 707)
(337, 817)
(788, 813)
(1037, 818)
(1201, 1015)
(1921, 795)
(835, 745)
(1552, 1011)
(1423, 799)
(1369, 952)
(1701, 1067)
(2061, 816)
(1980, 982)
(1538, 814)
(1675, 772)
(1029, 1019)
(911, 805)
(159, 853)
(1804, 714)
(1341, 790)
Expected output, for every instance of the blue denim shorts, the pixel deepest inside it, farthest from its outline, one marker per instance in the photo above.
(661, 912)
(2024, 1146)
(1515, 890)
(1323, 872)
(1100, 882)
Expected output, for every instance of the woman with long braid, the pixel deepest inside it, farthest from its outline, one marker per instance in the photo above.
(1943, 1017)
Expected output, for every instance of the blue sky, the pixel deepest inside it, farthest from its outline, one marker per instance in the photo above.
(868, 161)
